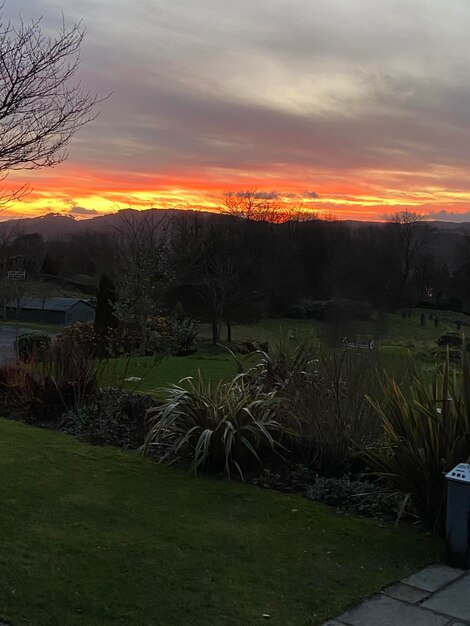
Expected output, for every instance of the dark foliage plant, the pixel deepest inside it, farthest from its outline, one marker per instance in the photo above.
(325, 395)
(426, 433)
(64, 378)
(359, 496)
(111, 417)
(105, 317)
(30, 346)
(226, 427)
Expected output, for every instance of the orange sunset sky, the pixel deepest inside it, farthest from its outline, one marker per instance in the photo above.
(358, 108)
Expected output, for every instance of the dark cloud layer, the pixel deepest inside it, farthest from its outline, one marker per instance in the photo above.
(79, 210)
(450, 216)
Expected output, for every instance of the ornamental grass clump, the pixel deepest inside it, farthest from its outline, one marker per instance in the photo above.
(332, 415)
(426, 433)
(287, 367)
(226, 427)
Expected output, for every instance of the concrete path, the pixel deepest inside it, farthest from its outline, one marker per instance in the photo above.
(436, 596)
(7, 341)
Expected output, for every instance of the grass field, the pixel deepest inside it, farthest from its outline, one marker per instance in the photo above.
(396, 338)
(402, 340)
(96, 536)
(393, 330)
(154, 374)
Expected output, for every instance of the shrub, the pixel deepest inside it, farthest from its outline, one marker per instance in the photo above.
(357, 496)
(287, 365)
(185, 332)
(172, 335)
(427, 433)
(297, 311)
(31, 346)
(222, 427)
(80, 334)
(112, 417)
(325, 401)
(331, 412)
(352, 494)
(65, 378)
(160, 334)
(18, 389)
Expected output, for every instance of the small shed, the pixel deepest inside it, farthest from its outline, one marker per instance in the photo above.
(51, 310)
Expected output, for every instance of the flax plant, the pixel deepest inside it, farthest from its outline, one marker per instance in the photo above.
(221, 427)
(426, 433)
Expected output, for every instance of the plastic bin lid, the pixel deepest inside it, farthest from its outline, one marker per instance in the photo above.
(460, 473)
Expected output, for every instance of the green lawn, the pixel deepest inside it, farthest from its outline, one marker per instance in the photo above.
(267, 330)
(401, 339)
(214, 367)
(95, 536)
(395, 329)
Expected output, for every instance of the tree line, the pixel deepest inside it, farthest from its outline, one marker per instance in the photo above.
(223, 268)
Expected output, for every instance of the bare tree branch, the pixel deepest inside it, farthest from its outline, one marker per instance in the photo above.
(41, 107)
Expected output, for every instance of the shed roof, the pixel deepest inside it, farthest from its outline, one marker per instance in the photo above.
(47, 304)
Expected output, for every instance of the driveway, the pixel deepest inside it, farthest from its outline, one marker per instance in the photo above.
(7, 339)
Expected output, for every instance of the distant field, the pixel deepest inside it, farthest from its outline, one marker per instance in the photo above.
(392, 330)
(400, 339)
(396, 338)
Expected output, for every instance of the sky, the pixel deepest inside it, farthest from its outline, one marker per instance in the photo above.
(357, 108)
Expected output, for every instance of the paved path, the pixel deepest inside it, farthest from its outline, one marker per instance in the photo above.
(436, 596)
(7, 340)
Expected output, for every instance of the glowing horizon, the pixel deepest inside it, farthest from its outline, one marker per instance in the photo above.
(67, 190)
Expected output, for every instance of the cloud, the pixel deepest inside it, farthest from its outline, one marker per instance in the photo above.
(350, 98)
(449, 216)
(79, 210)
(267, 195)
(362, 95)
(259, 195)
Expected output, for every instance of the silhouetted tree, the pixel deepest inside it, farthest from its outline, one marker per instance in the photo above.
(49, 266)
(142, 269)
(411, 235)
(41, 107)
(105, 316)
(253, 205)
